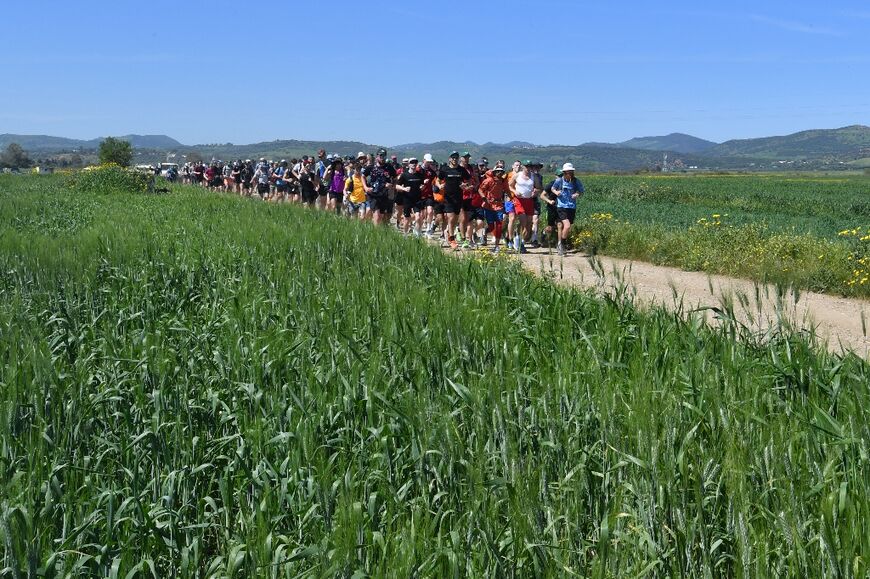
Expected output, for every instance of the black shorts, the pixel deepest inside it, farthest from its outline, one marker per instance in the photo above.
(383, 204)
(565, 213)
(400, 198)
(415, 205)
(477, 214)
(281, 188)
(437, 208)
(262, 188)
(309, 195)
(336, 195)
(551, 215)
(468, 206)
(537, 206)
(452, 204)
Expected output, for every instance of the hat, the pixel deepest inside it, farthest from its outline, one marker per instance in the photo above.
(559, 173)
(427, 158)
(482, 161)
(527, 163)
(498, 168)
(382, 152)
(360, 155)
(567, 167)
(454, 154)
(412, 160)
(404, 159)
(466, 154)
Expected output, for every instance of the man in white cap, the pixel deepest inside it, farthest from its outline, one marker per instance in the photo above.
(566, 190)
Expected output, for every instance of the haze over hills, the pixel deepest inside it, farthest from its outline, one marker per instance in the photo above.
(805, 144)
(846, 147)
(45, 143)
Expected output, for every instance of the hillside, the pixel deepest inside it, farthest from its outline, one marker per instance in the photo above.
(677, 142)
(823, 149)
(851, 142)
(46, 143)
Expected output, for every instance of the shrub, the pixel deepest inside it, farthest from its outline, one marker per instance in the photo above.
(112, 179)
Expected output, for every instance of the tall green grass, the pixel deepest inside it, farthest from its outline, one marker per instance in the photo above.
(196, 385)
(770, 228)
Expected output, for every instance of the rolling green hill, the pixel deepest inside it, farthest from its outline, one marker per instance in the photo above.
(851, 142)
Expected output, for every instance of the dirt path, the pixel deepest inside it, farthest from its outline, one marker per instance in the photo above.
(839, 322)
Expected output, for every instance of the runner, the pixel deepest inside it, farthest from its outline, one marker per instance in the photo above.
(539, 186)
(493, 190)
(308, 181)
(236, 175)
(553, 224)
(410, 183)
(334, 182)
(509, 204)
(355, 193)
(430, 170)
(454, 180)
(522, 186)
(469, 190)
(567, 189)
(380, 178)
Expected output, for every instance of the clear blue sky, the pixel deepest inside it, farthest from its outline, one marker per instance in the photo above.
(544, 71)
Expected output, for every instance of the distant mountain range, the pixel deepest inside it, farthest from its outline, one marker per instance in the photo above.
(846, 147)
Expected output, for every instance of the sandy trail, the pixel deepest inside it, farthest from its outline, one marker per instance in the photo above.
(841, 323)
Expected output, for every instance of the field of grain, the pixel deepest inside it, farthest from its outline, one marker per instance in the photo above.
(200, 385)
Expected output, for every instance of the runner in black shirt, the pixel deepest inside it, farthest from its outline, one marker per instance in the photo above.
(380, 178)
(453, 179)
(411, 183)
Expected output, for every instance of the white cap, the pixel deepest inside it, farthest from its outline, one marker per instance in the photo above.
(360, 154)
(567, 167)
(427, 158)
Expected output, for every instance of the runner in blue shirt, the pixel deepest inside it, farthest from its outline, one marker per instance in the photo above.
(565, 192)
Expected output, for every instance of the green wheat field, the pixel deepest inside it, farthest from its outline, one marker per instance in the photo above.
(197, 385)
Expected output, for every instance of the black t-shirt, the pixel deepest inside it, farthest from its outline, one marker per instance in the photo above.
(379, 177)
(412, 179)
(453, 178)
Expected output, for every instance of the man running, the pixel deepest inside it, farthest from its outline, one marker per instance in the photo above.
(380, 178)
(567, 190)
(493, 190)
(454, 180)
(410, 183)
(522, 188)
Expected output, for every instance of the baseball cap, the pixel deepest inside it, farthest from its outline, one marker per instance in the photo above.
(412, 160)
(466, 154)
(427, 158)
(527, 163)
(482, 161)
(382, 152)
(454, 154)
(360, 155)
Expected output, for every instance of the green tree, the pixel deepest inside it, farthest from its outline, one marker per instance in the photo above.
(14, 157)
(117, 151)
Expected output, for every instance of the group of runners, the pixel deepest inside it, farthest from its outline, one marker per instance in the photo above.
(465, 202)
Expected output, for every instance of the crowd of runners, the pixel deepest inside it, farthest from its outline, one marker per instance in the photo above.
(465, 203)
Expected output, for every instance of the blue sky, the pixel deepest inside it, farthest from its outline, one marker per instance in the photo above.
(548, 71)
